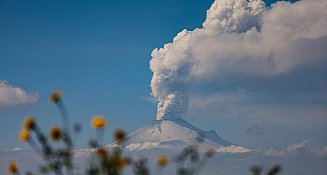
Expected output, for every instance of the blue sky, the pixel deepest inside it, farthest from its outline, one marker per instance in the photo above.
(98, 53)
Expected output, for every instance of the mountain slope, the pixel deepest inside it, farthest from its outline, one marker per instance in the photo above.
(173, 135)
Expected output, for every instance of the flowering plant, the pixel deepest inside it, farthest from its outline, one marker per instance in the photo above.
(59, 161)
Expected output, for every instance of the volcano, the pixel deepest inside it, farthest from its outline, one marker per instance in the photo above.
(174, 134)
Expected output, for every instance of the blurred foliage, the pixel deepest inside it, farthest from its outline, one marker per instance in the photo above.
(256, 170)
(59, 159)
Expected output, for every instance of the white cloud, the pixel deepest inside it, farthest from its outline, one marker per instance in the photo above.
(15, 96)
(239, 38)
(274, 152)
(320, 151)
(297, 146)
(17, 149)
(287, 151)
(301, 148)
(232, 149)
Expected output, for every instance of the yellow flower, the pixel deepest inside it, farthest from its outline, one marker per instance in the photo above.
(98, 122)
(119, 135)
(55, 133)
(29, 123)
(24, 135)
(101, 152)
(12, 167)
(120, 163)
(162, 160)
(55, 97)
(209, 152)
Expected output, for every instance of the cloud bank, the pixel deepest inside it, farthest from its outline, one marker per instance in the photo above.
(298, 158)
(232, 149)
(15, 96)
(238, 38)
(288, 151)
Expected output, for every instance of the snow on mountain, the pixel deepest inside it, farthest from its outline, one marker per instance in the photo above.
(175, 134)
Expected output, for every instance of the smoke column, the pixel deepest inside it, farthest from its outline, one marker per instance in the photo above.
(239, 38)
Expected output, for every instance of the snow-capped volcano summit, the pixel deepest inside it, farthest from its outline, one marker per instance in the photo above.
(172, 134)
(170, 130)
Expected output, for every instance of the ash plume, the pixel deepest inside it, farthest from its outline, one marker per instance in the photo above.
(238, 38)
